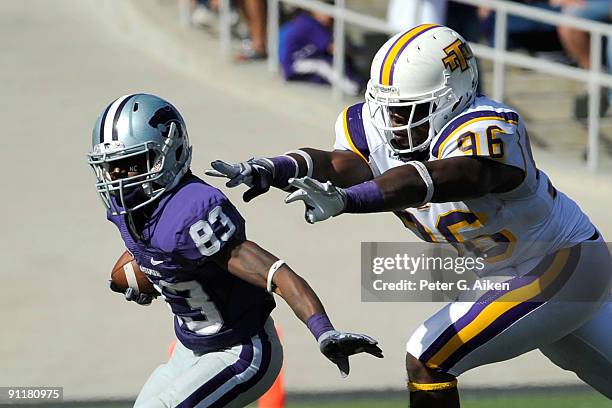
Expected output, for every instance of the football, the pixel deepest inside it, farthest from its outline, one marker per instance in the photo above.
(127, 274)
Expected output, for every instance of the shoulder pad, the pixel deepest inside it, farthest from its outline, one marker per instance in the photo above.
(353, 130)
(475, 121)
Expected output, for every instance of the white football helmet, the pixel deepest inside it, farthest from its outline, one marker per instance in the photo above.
(429, 64)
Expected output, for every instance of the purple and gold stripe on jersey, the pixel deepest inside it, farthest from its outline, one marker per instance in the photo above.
(355, 132)
(388, 65)
(496, 311)
(415, 226)
(465, 120)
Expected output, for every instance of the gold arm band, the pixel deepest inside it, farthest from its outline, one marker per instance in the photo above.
(432, 387)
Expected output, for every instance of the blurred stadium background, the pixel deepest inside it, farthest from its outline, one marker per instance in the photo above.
(63, 60)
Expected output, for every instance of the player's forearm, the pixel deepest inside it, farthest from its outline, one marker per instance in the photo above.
(401, 188)
(452, 179)
(302, 299)
(343, 169)
(251, 263)
(392, 191)
(404, 186)
(318, 164)
(296, 292)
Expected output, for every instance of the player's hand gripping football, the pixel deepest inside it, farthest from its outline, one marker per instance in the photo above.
(322, 200)
(255, 173)
(143, 299)
(338, 346)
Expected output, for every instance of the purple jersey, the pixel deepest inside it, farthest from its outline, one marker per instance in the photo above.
(303, 38)
(213, 309)
(305, 54)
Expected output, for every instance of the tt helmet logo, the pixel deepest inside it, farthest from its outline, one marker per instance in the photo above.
(457, 56)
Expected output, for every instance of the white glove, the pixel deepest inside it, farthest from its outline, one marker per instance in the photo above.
(322, 201)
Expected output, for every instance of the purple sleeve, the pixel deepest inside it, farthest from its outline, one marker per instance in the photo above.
(218, 225)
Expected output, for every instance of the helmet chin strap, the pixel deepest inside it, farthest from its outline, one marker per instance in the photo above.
(396, 152)
(170, 139)
(183, 170)
(148, 189)
(132, 226)
(422, 156)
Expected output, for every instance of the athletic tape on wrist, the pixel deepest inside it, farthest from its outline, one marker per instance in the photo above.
(284, 167)
(271, 273)
(414, 387)
(307, 158)
(319, 324)
(130, 277)
(424, 173)
(297, 166)
(363, 198)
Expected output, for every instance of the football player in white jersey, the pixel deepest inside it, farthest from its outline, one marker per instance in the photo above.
(457, 167)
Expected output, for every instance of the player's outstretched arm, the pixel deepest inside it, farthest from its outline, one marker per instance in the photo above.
(343, 168)
(410, 185)
(250, 262)
(452, 179)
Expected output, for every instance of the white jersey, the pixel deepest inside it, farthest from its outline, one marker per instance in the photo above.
(533, 213)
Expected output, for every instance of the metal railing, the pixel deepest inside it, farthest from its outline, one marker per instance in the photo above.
(499, 55)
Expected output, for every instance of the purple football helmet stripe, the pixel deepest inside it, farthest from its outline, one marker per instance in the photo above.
(408, 37)
(402, 49)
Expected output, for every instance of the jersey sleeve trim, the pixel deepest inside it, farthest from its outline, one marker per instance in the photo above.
(466, 120)
(354, 130)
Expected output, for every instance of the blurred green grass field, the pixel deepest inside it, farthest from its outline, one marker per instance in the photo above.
(524, 401)
(553, 398)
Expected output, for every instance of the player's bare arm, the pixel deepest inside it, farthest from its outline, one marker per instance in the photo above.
(410, 185)
(255, 265)
(342, 168)
(454, 179)
(251, 263)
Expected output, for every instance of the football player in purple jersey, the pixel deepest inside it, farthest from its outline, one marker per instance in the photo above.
(191, 242)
